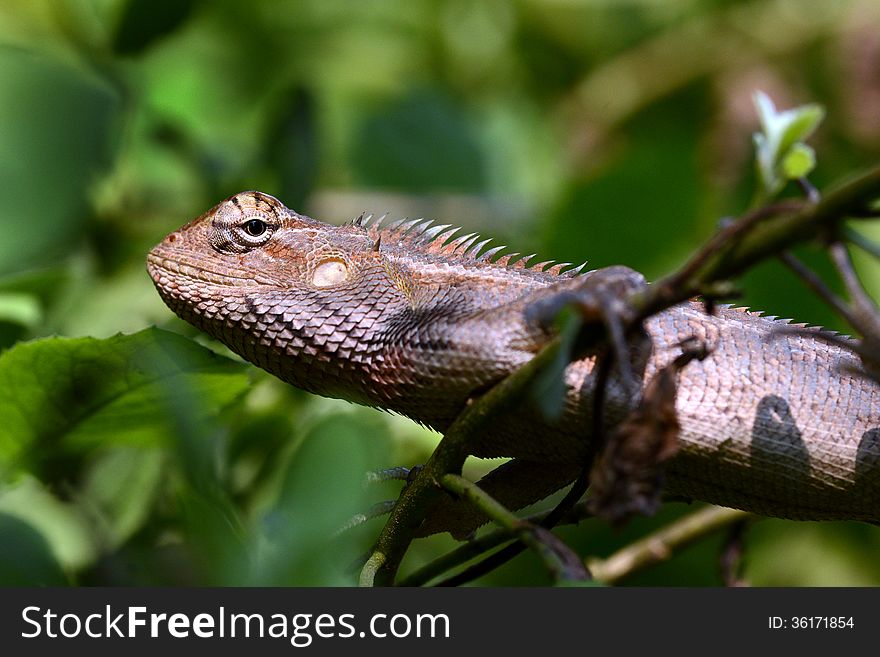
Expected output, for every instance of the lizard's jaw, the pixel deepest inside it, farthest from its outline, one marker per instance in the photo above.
(170, 268)
(191, 286)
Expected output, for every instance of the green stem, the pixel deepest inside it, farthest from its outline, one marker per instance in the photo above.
(478, 546)
(470, 550)
(563, 564)
(368, 572)
(496, 511)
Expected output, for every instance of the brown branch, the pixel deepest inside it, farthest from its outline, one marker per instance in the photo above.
(758, 235)
(816, 284)
(662, 544)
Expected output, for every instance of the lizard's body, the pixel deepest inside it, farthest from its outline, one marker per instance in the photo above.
(408, 319)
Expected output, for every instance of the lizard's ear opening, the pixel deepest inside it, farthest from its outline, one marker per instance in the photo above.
(330, 272)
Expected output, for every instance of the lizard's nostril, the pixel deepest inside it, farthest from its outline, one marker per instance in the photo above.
(172, 237)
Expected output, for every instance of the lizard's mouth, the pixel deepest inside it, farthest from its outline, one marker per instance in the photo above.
(169, 269)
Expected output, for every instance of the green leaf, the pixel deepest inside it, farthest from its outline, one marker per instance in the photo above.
(69, 394)
(319, 492)
(780, 153)
(27, 557)
(144, 22)
(422, 142)
(798, 124)
(20, 308)
(62, 525)
(121, 486)
(548, 389)
(800, 160)
(50, 148)
(766, 112)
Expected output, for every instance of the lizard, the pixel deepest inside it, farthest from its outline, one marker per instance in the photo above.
(409, 318)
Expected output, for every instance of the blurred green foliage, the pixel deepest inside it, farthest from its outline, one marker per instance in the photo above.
(614, 131)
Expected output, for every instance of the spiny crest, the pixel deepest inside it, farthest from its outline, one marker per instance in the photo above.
(423, 236)
(369, 221)
(784, 323)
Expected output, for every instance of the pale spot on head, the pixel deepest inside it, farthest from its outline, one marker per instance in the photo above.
(329, 272)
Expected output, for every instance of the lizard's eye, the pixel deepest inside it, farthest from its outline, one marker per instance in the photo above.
(237, 227)
(255, 227)
(251, 233)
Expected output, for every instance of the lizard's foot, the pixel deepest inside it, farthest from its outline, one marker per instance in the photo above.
(602, 300)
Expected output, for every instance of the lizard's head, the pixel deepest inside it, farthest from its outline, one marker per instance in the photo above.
(264, 279)
(251, 240)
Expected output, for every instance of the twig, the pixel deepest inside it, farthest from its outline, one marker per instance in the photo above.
(816, 284)
(662, 544)
(730, 233)
(863, 315)
(485, 566)
(563, 564)
(866, 245)
(470, 550)
(461, 487)
(864, 308)
(762, 233)
(371, 567)
(482, 544)
(809, 190)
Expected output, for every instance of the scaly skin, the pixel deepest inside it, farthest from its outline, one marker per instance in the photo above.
(408, 319)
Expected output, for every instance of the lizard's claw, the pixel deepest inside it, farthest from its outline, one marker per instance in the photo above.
(377, 510)
(399, 473)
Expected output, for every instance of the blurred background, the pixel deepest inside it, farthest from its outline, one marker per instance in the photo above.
(613, 131)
